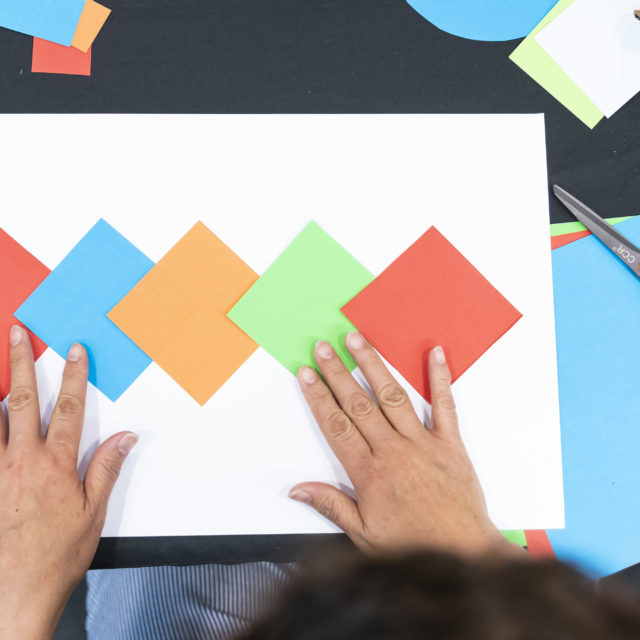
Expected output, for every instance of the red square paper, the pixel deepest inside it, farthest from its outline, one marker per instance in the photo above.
(49, 57)
(431, 295)
(20, 274)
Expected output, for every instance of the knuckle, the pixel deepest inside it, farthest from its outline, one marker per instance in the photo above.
(359, 405)
(392, 395)
(21, 398)
(445, 404)
(68, 405)
(338, 426)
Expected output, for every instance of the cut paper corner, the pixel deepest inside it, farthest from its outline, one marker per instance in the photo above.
(92, 20)
(184, 289)
(515, 537)
(473, 314)
(532, 58)
(298, 300)
(489, 21)
(567, 238)
(538, 545)
(51, 58)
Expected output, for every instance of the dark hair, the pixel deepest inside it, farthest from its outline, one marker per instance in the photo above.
(437, 596)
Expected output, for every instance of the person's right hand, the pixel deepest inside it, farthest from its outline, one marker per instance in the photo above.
(415, 486)
(50, 520)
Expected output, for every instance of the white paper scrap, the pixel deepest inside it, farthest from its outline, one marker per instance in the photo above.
(597, 43)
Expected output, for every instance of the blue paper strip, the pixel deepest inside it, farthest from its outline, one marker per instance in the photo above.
(597, 303)
(54, 20)
(71, 304)
(484, 19)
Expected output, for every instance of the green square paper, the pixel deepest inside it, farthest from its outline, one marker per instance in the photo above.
(298, 300)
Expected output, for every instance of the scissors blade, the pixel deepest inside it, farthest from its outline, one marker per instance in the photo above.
(622, 248)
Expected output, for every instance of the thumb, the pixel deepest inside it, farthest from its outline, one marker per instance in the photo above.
(104, 468)
(333, 504)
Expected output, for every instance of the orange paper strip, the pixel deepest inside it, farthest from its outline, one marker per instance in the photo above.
(176, 313)
(93, 17)
(49, 57)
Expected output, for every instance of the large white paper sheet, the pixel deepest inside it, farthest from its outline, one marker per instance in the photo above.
(375, 183)
(597, 43)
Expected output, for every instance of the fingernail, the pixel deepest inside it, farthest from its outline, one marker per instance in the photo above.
(300, 496)
(355, 341)
(438, 354)
(15, 335)
(127, 442)
(308, 375)
(75, 353)
(324, 350)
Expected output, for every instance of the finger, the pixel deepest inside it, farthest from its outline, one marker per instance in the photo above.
(393, 399)
(24, 410)
(444, 418)
(4, 430)
(104, 468)
(341, 434)
(353, 399)
(333, 504)
(67, 418)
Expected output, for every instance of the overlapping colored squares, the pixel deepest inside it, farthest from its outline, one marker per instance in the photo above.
(71, 304)
(431, 295)
(298, 299)
(177, 313)
(20, 274)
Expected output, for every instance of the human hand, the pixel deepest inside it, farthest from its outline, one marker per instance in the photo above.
(415, 487)
(50, 521)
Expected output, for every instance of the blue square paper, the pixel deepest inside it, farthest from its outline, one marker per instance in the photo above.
(53, 20)
(72, 302)
(597, 301)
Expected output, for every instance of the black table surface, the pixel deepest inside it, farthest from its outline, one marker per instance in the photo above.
(310, 56)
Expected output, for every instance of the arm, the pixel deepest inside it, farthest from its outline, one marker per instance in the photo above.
(50, 521)
(415, 487)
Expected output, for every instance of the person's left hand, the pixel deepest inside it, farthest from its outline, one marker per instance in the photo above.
(50, 521)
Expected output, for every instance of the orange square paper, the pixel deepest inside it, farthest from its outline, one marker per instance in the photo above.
(92, 19)
(177, 313)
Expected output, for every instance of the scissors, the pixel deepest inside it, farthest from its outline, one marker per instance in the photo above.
(622, 248)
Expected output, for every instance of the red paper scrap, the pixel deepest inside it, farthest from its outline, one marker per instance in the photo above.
(567, 238)
(20, 274)
(538, 543)
(431, 295)
(49, 57)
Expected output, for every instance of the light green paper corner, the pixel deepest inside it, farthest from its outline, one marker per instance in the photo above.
(517, 537)
(299, 298)
(562, 228)
(537, 63)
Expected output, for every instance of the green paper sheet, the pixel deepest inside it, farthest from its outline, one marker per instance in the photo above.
(562, 228)
(517, 537)
(299, 298)
(537, 63)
